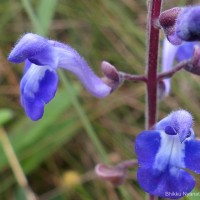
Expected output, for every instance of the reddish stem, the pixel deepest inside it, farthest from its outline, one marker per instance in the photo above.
(153, 41)
(178, 67)
(154, 7)
(132, 77)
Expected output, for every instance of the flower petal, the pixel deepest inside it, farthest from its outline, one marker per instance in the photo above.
(181, 121)
(170, 183)
(168, 55)
(185, 51)
(38, 87)
(36, 49)
(192, 155)
(174, 39)
(69, 59)
(188, 25)
(27, 65)
(170, 131)
(147, 144)
(158, 149)
(34, 109)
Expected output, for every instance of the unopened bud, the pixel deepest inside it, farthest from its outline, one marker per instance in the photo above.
(109, 71)
(112, 77)
(116, 175)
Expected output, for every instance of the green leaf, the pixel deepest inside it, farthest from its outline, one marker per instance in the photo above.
(45, 13)
(5, 116)
(194, 195)
(19, 194)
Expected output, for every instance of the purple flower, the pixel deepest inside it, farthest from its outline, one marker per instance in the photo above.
(165, 153)
(40, 80)
(188, 24)
(181, 24)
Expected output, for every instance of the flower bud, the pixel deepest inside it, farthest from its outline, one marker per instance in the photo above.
(116, 175)
(109, 71)
(112, 77)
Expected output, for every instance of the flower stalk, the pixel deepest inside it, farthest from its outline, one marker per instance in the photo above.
(154, 7)
(176, 68)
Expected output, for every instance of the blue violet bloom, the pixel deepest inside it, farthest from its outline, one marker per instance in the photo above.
(165, 153)
(42, 58)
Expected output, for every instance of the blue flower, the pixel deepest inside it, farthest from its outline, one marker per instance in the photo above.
(165, 153)
(39, 83)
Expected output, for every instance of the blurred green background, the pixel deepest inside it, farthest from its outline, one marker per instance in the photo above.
(59, 152)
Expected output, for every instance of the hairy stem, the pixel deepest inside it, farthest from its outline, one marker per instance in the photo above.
(132, 77)
(152, 57)
(154, 7)
(178, 67)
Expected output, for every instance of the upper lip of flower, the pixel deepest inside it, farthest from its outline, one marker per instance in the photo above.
(184, 134)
